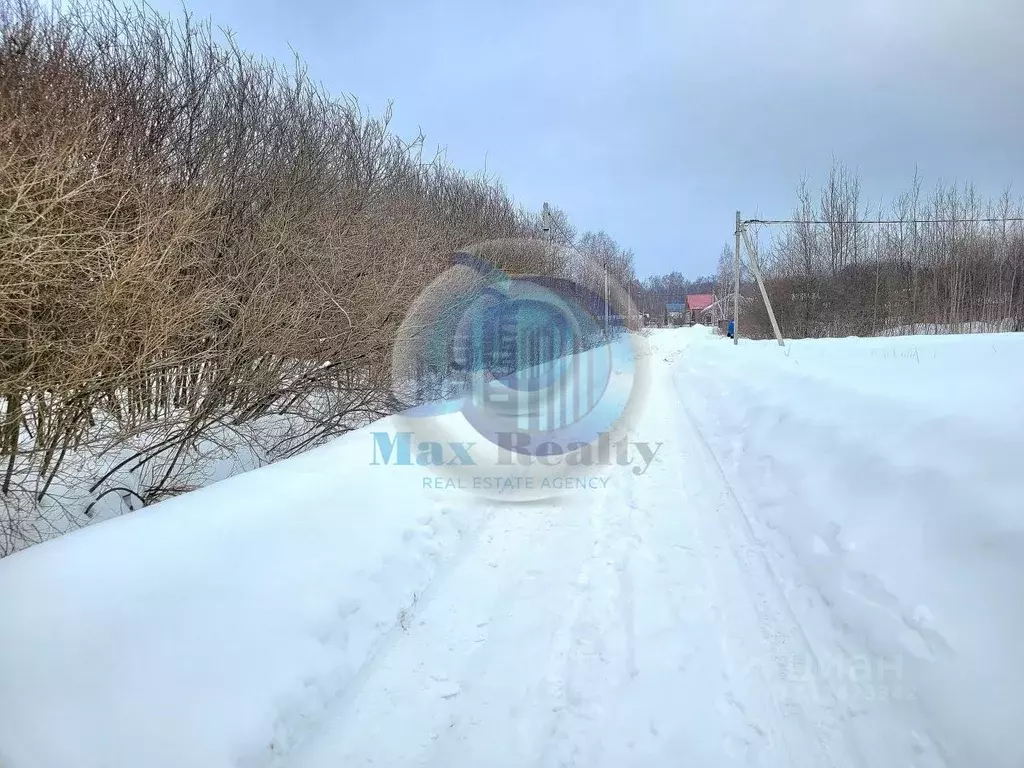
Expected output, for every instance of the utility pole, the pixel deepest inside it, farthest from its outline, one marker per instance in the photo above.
(606, 297)
(545, 223)
(756, 268)
(736, 283)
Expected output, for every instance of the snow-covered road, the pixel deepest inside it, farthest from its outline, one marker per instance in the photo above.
(639, 626)
(824, 566)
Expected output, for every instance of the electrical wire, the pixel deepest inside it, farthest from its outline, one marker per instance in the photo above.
(885, 221)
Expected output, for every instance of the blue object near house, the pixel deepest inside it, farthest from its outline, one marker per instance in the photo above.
(732, 328)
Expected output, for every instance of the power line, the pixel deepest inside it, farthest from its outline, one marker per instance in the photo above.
(573, 245)
(885, 221)
(568, 240)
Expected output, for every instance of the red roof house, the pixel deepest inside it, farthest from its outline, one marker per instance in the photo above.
(697, 303)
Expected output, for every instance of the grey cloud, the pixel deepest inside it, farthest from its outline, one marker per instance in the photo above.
(656, 120)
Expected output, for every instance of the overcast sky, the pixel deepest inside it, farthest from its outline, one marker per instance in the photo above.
(656, 120)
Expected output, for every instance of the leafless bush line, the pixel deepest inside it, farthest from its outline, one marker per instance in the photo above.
(935, 267)
(191, 238)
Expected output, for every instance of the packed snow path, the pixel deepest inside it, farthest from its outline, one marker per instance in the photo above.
(824, 566)
(641, 626)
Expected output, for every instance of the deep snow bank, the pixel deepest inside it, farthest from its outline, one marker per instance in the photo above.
(880, 475)
(891, 469)
(209, 629)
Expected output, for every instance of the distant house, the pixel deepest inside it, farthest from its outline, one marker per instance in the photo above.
(720, 312)
(697, 303)
(675, 314)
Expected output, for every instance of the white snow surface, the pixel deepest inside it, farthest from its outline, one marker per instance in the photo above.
(824, 566)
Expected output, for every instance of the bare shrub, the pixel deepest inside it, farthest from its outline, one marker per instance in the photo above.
(193, 239)
(949, 261)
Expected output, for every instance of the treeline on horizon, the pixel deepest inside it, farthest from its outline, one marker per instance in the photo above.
(946, 260)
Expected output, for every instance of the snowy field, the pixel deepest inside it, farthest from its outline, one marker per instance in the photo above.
(824, 566)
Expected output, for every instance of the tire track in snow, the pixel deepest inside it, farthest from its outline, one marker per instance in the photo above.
(596, 646)
(876, 729)
(749, 726)
(781, 630)
(461, 688)
(297, 724)
(619, 633)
